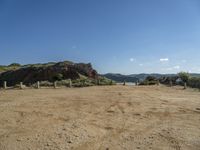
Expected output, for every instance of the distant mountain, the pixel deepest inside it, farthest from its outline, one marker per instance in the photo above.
(143, 76)
(120, 77)
(139, 77)
(195, 75)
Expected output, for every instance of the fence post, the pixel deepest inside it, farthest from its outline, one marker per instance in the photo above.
(38, 84)
(170, 82)
(158, 82)
(5, 85)
(185, 85)
(55, 84)
(98, 82)
(70, 83)
(124, 83)
(21, 85)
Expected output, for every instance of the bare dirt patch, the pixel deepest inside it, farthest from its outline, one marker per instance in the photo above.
(109, 117)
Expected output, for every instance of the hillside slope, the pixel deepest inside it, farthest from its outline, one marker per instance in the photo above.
(47, 72)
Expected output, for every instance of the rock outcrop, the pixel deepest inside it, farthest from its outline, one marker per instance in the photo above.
(48, 72)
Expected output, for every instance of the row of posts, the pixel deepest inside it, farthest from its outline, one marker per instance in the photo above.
(137, 83)
(70, 84)
(37, 85)
(170, 83)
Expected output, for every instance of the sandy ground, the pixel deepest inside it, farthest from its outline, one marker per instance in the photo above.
(100, 118)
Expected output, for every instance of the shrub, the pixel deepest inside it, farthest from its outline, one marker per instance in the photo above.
(46, 83)
(105, 81)
(82, 82)
(63, 83)
(150, 80)
(58, 77)
(167, 79)
(184, 76)
(145, 82)
(194, 82)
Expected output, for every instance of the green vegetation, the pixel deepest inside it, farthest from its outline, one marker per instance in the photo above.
(12, 66)
(82, 82)
(58, 77)
(184, 76)
(191, 81)
(150, 80)
(91, 82)
(194, 82)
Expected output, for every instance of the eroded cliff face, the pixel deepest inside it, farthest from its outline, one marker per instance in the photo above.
(43, 72)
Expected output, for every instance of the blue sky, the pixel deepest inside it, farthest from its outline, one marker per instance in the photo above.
(120, 36)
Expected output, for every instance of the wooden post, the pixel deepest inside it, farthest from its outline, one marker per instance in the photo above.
(21, 85)
(185, 85)
(98, 82)
(55, 84)
(5, 85)
(136, 83)
(70, 83)
(170, 82)
(83, 82)
(38, 84)
(124, 83)
(158, 82)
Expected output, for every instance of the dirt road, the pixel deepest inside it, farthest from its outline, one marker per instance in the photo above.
(100, 118)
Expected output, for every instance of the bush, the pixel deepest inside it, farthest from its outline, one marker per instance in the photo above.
(145, 82)
(58, 77)
(167, 79)
(184, 76)
(82, 82)
(63, 83)
(45, 83)
(105, 81)
(194, 82)
(150, 80)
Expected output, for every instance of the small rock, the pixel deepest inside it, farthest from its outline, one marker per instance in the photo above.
(69, 141)
(18, 140)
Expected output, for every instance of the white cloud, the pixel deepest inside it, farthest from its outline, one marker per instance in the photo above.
(164, 59)
(140, 64)
(176, 67)
(131, 59)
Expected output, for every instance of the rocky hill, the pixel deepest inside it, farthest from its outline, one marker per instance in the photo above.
(46, 72)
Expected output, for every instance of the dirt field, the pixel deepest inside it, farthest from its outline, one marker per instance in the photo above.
(100, 118)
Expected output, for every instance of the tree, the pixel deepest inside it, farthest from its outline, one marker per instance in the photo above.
(184, 76)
